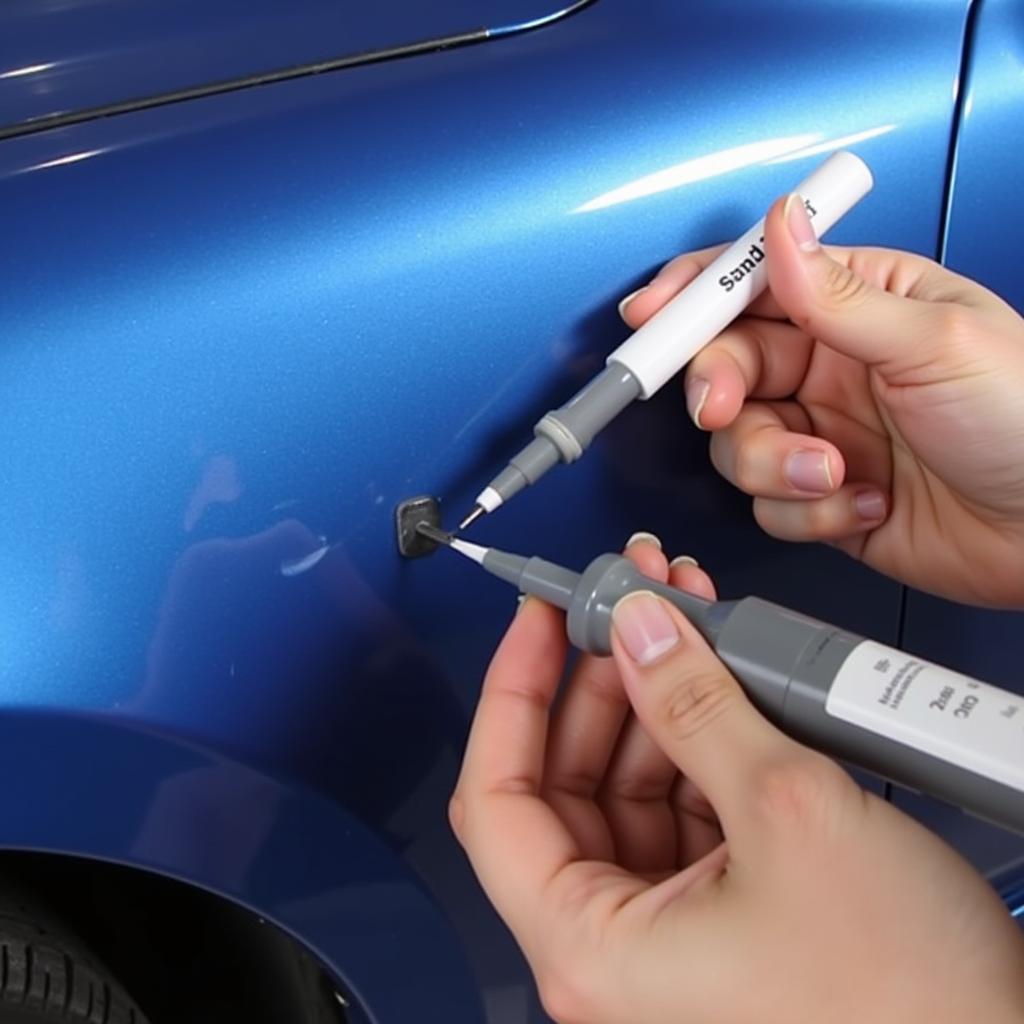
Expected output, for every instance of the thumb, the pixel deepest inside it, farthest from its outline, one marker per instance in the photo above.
(693, 708)
(829, 299)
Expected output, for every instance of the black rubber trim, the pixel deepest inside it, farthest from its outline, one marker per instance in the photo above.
(42, 124)
(963, 81)
(451, 42)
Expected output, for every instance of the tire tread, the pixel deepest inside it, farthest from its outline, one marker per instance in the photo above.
(47, 974)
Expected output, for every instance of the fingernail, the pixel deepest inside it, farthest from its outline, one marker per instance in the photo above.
(809, 471)
(870, 505)
(520, 601)
(628, 299)
(643, 538)
(682, 560)
(799, 223)
(697, 389)
(644, 626)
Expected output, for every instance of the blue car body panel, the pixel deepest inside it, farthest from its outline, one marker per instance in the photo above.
(178, 809)
(62, 56)
(984, 226)
(239, 330)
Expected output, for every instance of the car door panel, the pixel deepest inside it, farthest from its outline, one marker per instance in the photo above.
(239, 330)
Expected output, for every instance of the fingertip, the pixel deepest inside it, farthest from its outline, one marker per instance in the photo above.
(715, 406)
(853, 510)
(682, 560)
(692, 578)
(644, 550)
(871, 506)
(813, 468)
(775, 218)
(785, 263)
(538, 612)
(715, 390)
(626, 303)
(836, 466)
(638, 308)
(678, 273)
(644, 631)
(645, 537)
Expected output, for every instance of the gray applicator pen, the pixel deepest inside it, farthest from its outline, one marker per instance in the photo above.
(655, 353)
(917, 724)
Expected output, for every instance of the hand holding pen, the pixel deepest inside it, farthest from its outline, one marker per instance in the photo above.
(660, 851)
(872, 399)
(663, 854)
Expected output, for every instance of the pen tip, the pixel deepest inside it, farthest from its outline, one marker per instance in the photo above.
(473, 551)
(433, 533)
(474, 515)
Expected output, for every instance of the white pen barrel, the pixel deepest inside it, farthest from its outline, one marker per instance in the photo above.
(671, 338)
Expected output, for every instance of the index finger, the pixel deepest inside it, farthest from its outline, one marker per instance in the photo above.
(515, 841)
(674, 277)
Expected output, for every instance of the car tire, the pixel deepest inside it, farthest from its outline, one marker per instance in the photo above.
(48, 974)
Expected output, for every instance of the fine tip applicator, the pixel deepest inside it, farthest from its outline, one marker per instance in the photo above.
(917, 724)
(475, 513)
(449, 540)
(656, 352)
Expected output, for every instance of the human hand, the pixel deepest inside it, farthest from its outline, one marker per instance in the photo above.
(873, 399)
(664, 855)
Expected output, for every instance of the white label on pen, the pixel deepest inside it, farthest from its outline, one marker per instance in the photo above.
(939, 712)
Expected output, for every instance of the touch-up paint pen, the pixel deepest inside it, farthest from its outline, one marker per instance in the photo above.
(917, 724)
(670, 339)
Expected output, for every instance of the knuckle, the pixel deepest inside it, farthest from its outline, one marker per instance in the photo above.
(696, 700)
(843, 287)
(561, 998)
(784, 519)
(764, 516)
(604, 686)
(802, 790)
(819, 518)
(568, 988)
(747, 468)
(457, 816)
(682, 269)
(955, 324)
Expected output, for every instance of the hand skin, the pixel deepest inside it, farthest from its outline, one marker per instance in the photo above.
(663, 855)
(872, 399)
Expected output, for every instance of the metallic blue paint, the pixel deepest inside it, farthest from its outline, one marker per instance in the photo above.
(58, 56)
(175, 808)
(239, 330)
(983, 232)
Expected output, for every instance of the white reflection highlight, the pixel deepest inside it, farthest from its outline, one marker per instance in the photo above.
(31, 69)
(768, 151)
(297, 566)
(829, 145)
(698, 169)
(60, 161)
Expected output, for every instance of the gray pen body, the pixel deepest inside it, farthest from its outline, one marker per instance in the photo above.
(788, 664)
(564, 434)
